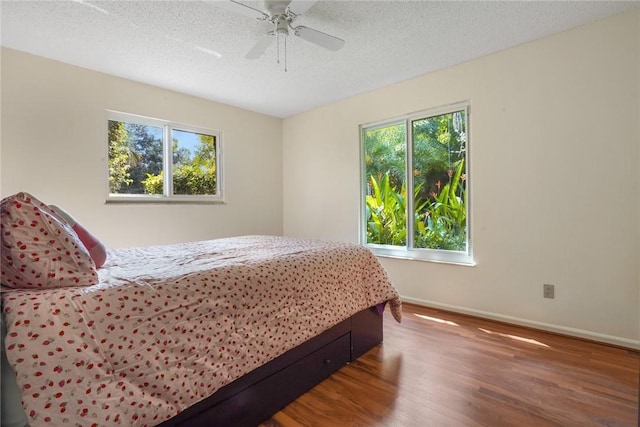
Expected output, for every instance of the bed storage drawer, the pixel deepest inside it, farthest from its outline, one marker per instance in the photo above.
(253, 405)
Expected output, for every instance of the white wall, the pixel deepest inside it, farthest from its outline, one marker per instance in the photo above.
(554, 141)
(54, 146)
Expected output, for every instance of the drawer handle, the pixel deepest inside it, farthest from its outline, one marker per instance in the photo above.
(327, 361)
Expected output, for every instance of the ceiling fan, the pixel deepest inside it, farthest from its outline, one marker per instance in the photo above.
(282, 13)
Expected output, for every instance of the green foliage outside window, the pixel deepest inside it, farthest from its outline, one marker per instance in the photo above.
(191, 176)
(121, 157)
(136, 162)
(439, 183)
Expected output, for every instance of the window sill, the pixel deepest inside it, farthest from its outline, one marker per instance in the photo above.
(428, 255)
(135, 199)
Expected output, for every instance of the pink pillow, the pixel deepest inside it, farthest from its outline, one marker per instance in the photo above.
(95, 247)
(39, 250)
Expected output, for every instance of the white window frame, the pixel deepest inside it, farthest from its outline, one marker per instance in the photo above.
(409, 252)
(167, 157)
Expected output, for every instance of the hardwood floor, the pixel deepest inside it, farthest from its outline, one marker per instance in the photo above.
(444, 369)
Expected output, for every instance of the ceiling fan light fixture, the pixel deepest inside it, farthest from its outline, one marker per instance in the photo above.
(282, 13)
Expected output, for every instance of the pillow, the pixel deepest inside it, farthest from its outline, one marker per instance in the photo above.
(96, 249)
(39, 249)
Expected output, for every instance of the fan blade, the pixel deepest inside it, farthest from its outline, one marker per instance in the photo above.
(298, 7)
(259, 48)
(243, 9)
(319, 38)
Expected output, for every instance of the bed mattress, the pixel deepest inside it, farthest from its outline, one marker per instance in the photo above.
(167, 326)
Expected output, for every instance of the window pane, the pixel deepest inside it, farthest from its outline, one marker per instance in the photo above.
(194, 163)
(135, 158)
(385, 172)
(440, 181)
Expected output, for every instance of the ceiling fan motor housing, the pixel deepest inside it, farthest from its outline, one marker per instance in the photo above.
(276, 8)
(282, 24)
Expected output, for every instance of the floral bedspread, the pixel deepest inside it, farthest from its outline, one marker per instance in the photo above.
(167, 326)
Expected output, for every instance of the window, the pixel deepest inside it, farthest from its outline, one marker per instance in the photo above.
(156, 160)
(423, 155)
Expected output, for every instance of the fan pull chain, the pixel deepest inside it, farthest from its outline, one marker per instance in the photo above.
(285, 54)
(278, 47)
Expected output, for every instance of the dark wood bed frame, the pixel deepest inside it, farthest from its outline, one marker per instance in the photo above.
(255, 397)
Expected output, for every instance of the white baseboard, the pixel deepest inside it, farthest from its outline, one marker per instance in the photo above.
(580, 333)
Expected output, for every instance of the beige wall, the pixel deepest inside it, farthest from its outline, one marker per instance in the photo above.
(54, 146)
(554, 141)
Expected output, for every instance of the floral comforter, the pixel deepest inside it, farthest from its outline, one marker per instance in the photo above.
(167, 326)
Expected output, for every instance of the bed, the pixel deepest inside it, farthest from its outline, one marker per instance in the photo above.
(217, 332)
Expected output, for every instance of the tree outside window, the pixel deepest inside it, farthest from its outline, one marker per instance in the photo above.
(162, 160)
(424, 155)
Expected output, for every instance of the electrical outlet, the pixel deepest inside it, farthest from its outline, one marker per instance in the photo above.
(548, 291)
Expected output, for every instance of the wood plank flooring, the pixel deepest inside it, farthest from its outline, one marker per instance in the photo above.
(443, 369)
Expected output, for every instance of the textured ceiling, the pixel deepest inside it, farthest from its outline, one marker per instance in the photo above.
(198, 47)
